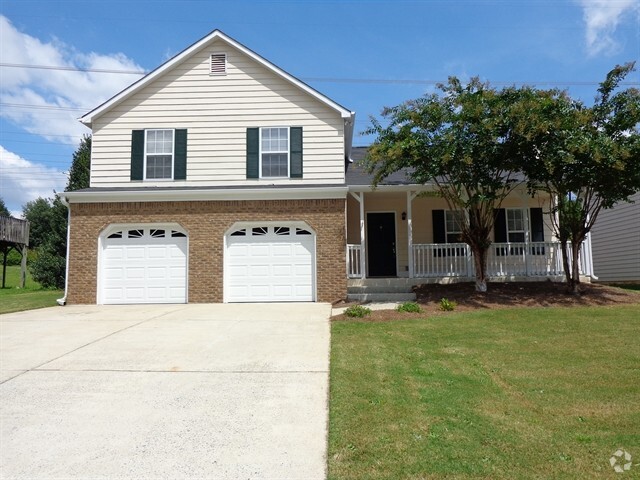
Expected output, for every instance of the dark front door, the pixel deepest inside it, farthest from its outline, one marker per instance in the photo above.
(381, 241)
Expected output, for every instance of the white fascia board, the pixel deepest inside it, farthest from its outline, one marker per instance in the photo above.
(313, 193)
(87, 119)
(392, 188)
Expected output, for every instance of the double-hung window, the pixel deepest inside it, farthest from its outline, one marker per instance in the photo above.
(453, 225)
(274, 152)
(159, 153)
(516, 227)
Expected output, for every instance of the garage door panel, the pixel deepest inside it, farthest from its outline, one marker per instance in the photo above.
(144, 269)
(270, 267)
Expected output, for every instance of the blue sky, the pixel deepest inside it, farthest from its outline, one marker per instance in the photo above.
(362, 54)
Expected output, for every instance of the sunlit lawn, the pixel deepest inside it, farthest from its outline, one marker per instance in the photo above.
(503, 394)
(14, 299)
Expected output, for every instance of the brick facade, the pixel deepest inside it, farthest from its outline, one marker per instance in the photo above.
(206, 223)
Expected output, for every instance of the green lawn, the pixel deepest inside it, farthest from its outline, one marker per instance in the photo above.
(14, 299)
(503, 394)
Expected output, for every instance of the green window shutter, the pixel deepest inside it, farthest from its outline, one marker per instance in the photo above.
(253, 152)
(537, 225)
(137, 154)
(500, 226)
(439, 235)
(180, 157)
(295, 144)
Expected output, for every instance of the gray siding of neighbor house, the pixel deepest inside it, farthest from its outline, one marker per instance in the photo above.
(615, 240)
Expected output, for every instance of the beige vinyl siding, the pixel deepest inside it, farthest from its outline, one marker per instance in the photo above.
(422, 220)
(615, 240)
(216, 110)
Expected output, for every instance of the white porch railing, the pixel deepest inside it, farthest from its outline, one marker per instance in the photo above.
(354, 256)
(442, 260)
(535, 259)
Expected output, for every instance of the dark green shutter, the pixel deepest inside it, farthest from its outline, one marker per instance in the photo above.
(137, 154)
(537, 225)
(180, 157)
(253, 152)
(439, 235)
(500, 226)
(296, 152)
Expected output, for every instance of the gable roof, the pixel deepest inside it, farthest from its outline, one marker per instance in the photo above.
(346, 114)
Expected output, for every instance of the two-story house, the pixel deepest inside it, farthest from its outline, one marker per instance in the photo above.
(219, 177)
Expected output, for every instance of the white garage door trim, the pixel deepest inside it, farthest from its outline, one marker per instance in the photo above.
(174, 259)
(271, 237)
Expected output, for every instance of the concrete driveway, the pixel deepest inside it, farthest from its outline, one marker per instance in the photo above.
(177, 391)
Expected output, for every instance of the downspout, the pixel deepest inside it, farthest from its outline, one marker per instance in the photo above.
(62, 301)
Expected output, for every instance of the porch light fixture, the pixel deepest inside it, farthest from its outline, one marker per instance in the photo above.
(404, 215)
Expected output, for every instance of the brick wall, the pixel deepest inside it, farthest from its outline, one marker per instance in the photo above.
(206, 223)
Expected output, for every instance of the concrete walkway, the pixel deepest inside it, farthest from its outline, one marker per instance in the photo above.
(178, 391)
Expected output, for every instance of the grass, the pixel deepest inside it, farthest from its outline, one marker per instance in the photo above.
(627, 286)
(502, 394)
(14, 299)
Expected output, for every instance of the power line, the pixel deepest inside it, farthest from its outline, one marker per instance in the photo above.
(73, 69)
(44, 107)
(390, 81)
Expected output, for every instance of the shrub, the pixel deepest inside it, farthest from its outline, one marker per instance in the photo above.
(409, 307)
(357, 311)
(48, 269)
(447, 305)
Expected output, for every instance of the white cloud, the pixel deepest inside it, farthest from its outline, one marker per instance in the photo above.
(602, 17)
(22, 181)
(75, 92)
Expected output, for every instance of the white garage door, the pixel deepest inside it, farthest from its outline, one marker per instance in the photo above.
(270, 264)
(143, 265)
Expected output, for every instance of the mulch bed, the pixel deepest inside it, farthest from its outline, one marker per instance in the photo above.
(507, 295)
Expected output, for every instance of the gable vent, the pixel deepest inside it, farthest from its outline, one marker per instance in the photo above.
(218, 64)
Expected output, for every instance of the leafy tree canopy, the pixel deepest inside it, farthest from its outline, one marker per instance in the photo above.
(80, 166)
(461, 140)
(3, 208)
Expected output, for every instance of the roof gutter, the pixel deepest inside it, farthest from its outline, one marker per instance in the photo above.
(112, 196)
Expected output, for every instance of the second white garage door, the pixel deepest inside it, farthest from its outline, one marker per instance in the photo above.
(270, 263)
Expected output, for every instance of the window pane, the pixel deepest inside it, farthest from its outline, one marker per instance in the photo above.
(159, 166)
(516, 237)
(274, 165)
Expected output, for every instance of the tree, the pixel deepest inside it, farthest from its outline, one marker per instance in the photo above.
(48, 218)
(80, 166)
(3, 208)
(587, 158)
(48, 236)
(461, 141)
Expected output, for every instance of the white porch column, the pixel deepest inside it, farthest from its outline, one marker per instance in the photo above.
(527, 235)
(410, 197)
(363, 263)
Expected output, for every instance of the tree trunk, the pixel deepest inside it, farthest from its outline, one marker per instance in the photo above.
(480, 262)
(565, 265)
(575, 267)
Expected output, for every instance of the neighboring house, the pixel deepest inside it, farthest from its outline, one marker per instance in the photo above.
(615, 241)
(219, 177)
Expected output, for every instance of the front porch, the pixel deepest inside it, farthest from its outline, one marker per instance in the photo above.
(398, 232)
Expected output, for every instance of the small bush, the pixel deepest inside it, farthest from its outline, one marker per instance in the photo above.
(357, 311)
(409, 307)
(48, 269)
(447, 305)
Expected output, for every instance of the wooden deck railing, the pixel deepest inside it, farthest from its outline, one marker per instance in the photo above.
(14, 230)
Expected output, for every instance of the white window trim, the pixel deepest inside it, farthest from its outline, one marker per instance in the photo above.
(525, 225)
(288, 152)
(446, 229)
(173, 154)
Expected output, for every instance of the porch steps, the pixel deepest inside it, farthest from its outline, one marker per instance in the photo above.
(381, 290)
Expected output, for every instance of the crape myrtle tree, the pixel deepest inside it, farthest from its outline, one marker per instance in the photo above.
(460, 139)
(587, 158)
